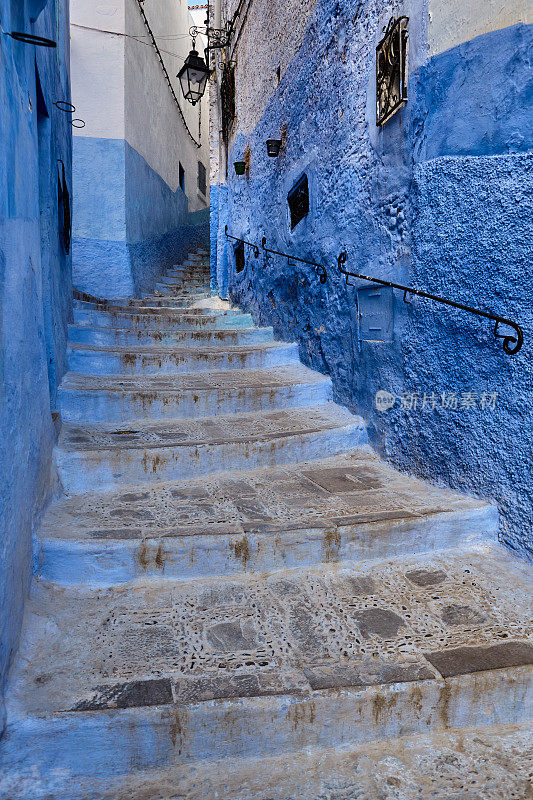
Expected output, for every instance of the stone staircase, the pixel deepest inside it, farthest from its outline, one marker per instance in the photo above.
(236, 598)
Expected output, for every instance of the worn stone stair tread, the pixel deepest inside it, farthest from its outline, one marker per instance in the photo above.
(145, 349)
(248, 519)
(252, 426)
(222, 337)
(163, 311)
(321, 657)
(351, 489)
(223, 380)
(484, 763)
(143, 314)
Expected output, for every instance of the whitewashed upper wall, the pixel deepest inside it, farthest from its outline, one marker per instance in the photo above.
(272, 36)
(120, 89)
(97, 67)
(153, 124)
(455, 21)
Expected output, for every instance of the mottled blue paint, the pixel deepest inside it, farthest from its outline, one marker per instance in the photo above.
(439, 198)
(218, 220)
(35, 289)
(129, 225)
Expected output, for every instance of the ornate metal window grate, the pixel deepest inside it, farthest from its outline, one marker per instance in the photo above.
(298, 200)
(391, 70)
(227, 95)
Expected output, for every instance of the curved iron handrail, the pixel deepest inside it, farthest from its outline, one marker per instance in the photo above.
(320, 269)
(511, 344)
(238, 239)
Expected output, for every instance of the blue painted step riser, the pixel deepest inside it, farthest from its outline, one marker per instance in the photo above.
(157, 322)
(210, 338)
(100, 743)
(90, 363)
(109, 469)
(97, 406)
(109, 561)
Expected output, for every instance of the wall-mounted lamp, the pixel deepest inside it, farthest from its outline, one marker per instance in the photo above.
(240, 167)
(273, 147)
(194, 73)
(193, 77)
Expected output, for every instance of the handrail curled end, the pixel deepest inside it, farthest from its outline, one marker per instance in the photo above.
(511, 344)
(342, 257)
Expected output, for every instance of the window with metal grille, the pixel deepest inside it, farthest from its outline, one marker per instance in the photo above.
(298, 200)
(182, 177)
(202, 178)
(240, 262)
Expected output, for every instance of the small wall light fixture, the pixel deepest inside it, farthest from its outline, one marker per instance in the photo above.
(193, 76)
(240, 167)
(194, 73)
(273, 147)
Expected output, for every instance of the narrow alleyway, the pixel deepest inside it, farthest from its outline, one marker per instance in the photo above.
(230, 574)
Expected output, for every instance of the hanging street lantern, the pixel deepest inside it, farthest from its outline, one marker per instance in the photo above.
(194, 73)
(193, 77)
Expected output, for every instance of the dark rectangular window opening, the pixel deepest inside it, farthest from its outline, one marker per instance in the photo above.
(298, 200)
(202, 178)
(239, 257)
(182, 177)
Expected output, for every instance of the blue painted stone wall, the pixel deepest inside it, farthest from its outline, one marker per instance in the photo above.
(129, 225)
(35, 288)
(440, 198)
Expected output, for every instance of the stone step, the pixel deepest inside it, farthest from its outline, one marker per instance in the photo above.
(183, 287)
(482, 763)
(175, 673)
(104, 457)
(203, 336)
(184, 279)
(202, 268)
(176, 320)
(169, 302)
(350, 507)
(162, 309)
(151, 360)
(120, 398)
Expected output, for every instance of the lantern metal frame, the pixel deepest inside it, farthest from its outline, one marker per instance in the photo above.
(193, 61)
(216, 38)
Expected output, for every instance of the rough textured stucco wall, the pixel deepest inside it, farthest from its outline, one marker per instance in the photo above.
(35, 291)
(438, 199)
(132, 219)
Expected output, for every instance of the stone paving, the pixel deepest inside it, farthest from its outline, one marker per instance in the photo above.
(236, 598)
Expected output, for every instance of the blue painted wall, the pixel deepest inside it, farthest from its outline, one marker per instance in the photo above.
(35, 288)
(440, 198)
(129, 225)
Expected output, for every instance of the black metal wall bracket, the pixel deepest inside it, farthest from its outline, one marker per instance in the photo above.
(511, 344)
(30, 38)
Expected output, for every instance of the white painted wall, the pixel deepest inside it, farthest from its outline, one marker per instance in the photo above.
(455, 21)
(119, 88)
(153, 123)
(97, 67)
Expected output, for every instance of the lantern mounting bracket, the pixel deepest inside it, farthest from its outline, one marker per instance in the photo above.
(216, 37)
